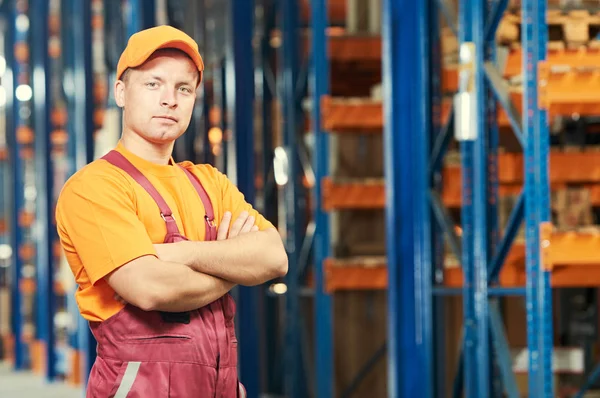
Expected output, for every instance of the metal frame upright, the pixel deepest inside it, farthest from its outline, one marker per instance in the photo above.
(46, 230)
(5, 252)
(289, 73)
(323, 313)
(406, 110)
(17, 74)
(240, 102)
(413, 203)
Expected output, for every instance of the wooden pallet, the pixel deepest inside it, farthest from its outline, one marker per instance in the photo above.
(566, 29)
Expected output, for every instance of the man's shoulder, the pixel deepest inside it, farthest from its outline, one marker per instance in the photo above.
(202, 170)
(96, 173)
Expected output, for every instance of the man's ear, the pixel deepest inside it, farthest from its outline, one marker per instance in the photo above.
(119, 92)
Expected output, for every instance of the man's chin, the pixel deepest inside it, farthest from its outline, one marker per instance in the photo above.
(164, 138)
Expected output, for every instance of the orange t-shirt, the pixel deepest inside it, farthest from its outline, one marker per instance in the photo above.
(106, 219)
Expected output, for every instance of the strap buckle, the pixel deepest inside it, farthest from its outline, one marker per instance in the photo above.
(210, 221)
(164, 217)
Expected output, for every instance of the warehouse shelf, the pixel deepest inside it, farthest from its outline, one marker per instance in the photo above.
(361, 49)
(356, 273)
(354, 194)
(583, 57)
(341, 194)
(573, 257)
(351, 115)
(566, 94)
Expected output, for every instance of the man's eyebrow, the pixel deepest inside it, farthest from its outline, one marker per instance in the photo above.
(179, 83)
(189, 82)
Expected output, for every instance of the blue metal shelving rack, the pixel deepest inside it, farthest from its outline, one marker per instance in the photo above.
(323, 313)
(413, 204)
(45, 294)
(240, 100)
(5, 256)
(16, 74)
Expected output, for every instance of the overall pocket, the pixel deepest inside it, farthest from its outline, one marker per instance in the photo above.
(192, 380)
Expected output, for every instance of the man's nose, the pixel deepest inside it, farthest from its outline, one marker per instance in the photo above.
(169, 99)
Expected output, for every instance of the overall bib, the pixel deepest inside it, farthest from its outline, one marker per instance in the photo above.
(153, 354)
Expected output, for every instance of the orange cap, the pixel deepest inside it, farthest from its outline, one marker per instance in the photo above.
(143, 44)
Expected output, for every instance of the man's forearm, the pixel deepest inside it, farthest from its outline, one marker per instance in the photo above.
(248, 259)
(178, 288)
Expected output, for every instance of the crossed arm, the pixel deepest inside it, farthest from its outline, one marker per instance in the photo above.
(190, 274)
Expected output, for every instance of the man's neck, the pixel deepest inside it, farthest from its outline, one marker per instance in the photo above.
(155, 153)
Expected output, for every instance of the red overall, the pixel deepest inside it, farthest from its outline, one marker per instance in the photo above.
(167, 355)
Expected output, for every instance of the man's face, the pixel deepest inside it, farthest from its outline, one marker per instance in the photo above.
(158, 97)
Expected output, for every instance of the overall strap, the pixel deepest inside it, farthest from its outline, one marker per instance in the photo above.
(209, 218)
(117, 159)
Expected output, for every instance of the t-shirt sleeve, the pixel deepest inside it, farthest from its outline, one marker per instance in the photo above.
(235, 202)
(96, 219)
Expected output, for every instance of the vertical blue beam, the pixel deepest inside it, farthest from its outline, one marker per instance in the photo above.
(437, 132)
(82, 128)
(14, 70)
(133, 17)
(243, 104)
(323, 301)
(67, 56)
(295, 384)
(269, 210)
(537, 208)
(480, 206)
(470, 372)
(268, 92)
(45, 300)
(148, 13)
(491, 19)
(404, 112)
(422, 227)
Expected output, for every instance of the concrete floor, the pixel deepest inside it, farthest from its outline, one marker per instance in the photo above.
(29, 385)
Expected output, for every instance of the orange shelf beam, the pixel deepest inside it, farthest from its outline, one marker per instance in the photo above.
(569, 92)
(566, 248)
(352, 115)
(345, 48)
(370, 194)
(364, 115)
(580, 58)
(574, 258)
(352, 274)
(353, 195)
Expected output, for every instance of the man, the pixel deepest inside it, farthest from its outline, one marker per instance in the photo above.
(143, 239)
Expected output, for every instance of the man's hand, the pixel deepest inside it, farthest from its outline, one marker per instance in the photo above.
(242, 225)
